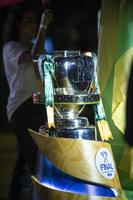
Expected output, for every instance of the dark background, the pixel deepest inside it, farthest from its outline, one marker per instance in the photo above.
(74, 27)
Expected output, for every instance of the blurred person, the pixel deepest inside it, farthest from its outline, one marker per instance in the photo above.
(18, 54)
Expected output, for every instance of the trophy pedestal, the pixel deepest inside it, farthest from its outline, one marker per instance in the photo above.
(75, 169)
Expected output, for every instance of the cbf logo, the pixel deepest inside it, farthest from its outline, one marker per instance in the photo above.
(105, 163)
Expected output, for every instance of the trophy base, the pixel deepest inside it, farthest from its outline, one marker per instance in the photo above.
(88, 133)
(75, 169)
(44, 192)
(76, 128)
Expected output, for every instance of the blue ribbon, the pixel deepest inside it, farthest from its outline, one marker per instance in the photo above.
(50, 176)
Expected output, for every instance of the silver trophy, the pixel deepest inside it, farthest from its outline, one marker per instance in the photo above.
(72, 166)
(68, 77)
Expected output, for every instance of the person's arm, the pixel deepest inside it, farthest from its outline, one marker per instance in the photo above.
(38, 47)
(39, 44)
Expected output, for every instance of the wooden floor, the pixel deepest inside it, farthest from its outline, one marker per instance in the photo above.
(7, 161)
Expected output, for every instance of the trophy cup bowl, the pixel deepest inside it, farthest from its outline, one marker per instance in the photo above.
(72, 79)
(71, 75)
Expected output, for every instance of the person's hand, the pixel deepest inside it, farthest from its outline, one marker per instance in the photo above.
(46, 18)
